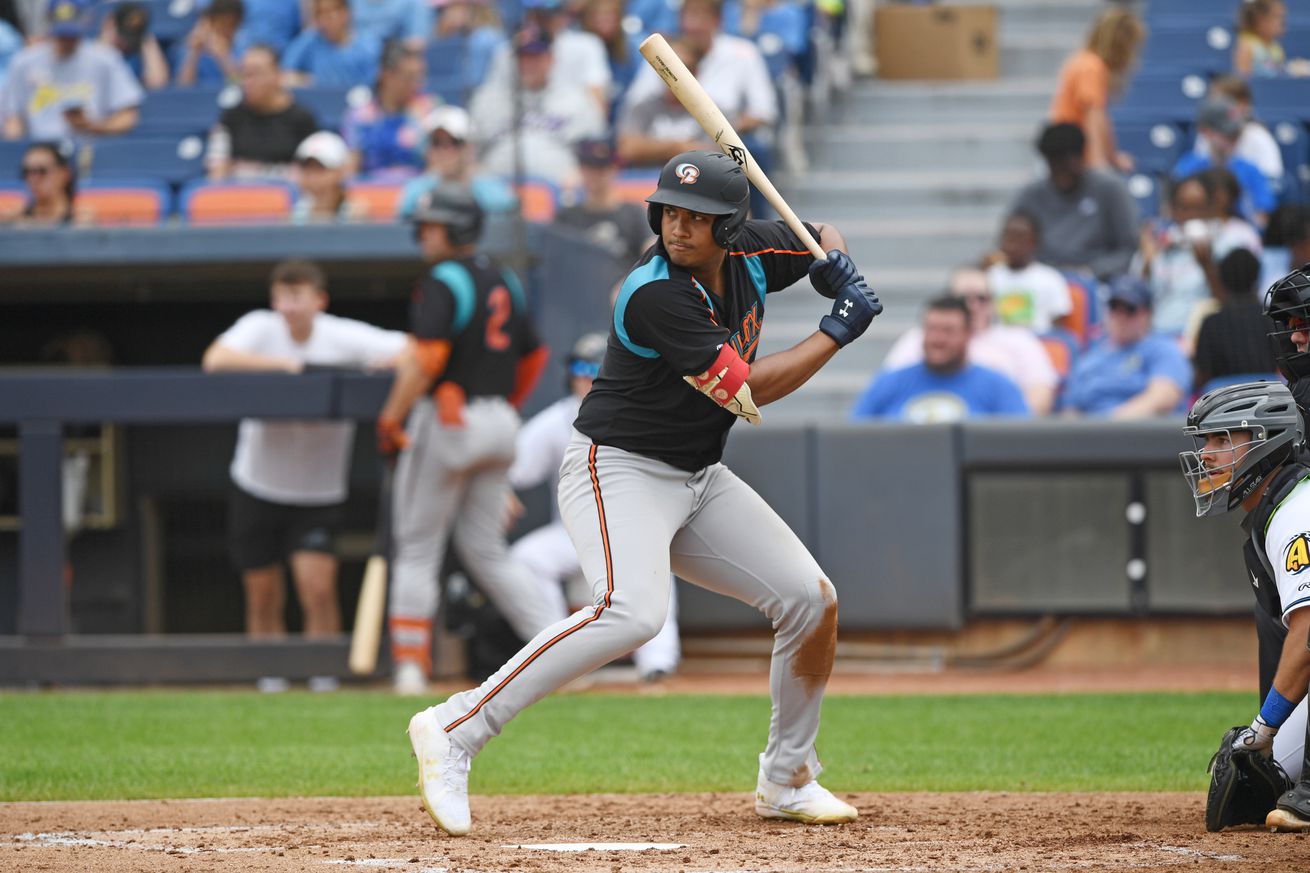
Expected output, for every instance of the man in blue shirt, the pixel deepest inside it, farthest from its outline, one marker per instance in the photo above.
(331, 53)
(1130, 372)
(1220, 122)
(945, 386)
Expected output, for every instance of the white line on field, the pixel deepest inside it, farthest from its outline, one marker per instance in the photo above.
(69, 838)
(599, 847)
(1192, 853)
(383, 862)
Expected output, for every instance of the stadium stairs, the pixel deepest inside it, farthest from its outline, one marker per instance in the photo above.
(917, 175)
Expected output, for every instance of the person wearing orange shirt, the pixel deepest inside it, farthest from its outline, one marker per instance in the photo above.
(1090, 76)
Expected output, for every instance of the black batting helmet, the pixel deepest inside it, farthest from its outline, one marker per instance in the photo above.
(454, 207)
(707, 182)
(1286, 300)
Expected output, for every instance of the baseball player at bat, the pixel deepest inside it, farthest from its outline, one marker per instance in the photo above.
(643, 491)
(474, 359)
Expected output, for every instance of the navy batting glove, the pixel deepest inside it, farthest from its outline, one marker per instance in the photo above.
(834, 273)
(854, 308)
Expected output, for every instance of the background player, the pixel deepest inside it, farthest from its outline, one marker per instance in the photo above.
(1249, 453)
(548, 552)
(289, 477)
(474, 359)
(642, 489)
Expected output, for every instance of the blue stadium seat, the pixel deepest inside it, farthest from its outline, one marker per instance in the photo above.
(1283, 98)
(1294, 144)
(1155, 147)
(172, 159)
(11, 156)
(176, 111)
(329, 104)
(1189, 49)
(1168, 97)
(1191, 7)
(1145, 190)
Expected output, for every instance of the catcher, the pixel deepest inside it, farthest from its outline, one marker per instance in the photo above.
(1249, 452)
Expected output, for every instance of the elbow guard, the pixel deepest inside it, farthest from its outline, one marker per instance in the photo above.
(725, 383)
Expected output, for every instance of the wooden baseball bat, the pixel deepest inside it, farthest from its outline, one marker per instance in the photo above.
(367, 634)
(655, 49)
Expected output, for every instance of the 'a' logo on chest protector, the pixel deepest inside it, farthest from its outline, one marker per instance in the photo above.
(1296, 556)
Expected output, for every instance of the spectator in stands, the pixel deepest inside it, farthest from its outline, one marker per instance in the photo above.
(1130, 372)
(1088, 79)
(1220, 122)
(618, 227)
(1027, 292)
(289, 478)
(578, 58)
(1255, 143)
(11, 41)
(258, 137)
(381, 21)
(385, 133)
(604, 19)
(51, 187)
(476, 22)
(208, 55)
(66, 86)
(1257, 51)
(1087, 216)
(273, 23)
(1014, 352)
(654, 128)
(734, 74)
(127, 31)
(450, 161)
(1234, 341)
(556, 114)
(1179, 257)
(330, 53)
(944, 386)
(321, 196)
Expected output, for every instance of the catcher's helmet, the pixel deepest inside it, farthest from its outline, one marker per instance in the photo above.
(706, 182)
(1288, 299)
(455, 208)
(1263, 409)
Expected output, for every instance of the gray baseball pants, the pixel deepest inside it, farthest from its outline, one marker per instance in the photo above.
(632, 520)
(452, 481)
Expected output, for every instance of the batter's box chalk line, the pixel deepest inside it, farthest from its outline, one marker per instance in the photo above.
(598, 847)
(386, 863)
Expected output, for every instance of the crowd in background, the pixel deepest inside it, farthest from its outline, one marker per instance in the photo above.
(1133, 316)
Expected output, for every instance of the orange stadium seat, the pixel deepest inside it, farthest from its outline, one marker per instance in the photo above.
(12, 200)
(130, 205)
(634, 189)
(1059, 346)
(236, 203)
(379, 200)
(539, 200)
(1081, 316)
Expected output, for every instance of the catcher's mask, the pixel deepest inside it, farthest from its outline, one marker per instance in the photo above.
(710, 183)
(1261, 430)
(1287, 303)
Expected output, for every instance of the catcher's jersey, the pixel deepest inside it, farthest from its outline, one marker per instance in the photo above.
(1287, 548)
(666, 326)
(480, 309)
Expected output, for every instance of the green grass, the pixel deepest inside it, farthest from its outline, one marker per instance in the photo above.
(71, 746)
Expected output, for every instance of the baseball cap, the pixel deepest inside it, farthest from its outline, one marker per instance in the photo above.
(596, 153)
(451, 119)
(1221, 115)
(532, 40)
(326, 147)
(67, 17)
(1131, 290)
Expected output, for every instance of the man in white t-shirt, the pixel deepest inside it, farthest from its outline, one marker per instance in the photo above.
(290, 477)
(1012, 351)
(1026, 293)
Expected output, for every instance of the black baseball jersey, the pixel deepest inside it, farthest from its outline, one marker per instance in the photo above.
(666, 326)
(480, 309)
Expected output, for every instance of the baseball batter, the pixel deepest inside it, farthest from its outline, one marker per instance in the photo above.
(643, 491)
(474, 358)
(548, 552)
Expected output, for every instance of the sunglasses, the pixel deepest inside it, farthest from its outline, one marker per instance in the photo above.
(444, 142)
(35, 170)
(1121, 306)
(977, 298)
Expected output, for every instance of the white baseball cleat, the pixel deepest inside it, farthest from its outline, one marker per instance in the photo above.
(443, 774)
(811, 803)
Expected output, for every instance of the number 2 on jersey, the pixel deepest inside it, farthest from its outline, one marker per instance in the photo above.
(498, 302)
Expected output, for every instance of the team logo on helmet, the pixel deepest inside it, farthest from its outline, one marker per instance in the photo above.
(688, 173)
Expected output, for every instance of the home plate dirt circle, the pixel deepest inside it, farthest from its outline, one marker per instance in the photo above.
(713, 833)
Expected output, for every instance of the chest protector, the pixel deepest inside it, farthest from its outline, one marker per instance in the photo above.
(1255, 525)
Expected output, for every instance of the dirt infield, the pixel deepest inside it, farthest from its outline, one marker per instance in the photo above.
(898, 832)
